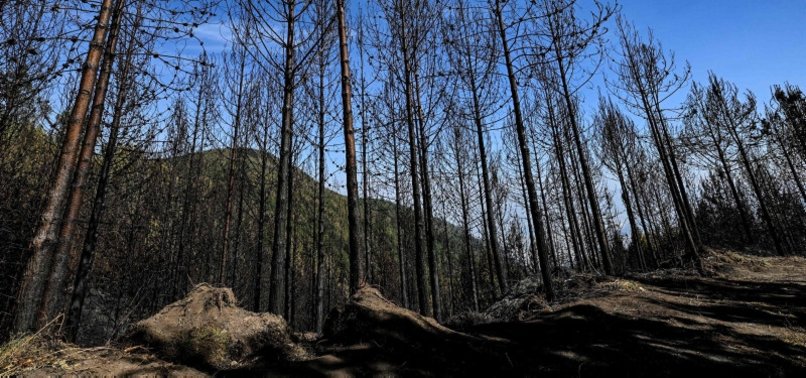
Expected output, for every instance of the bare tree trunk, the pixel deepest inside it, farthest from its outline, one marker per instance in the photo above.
(487, 242)
(542, 249)
(261, 226)
(634, 232)
(320, 204)
(80, 284)
(425, 175)
(463, 198)
(573, 222)
(36, 271)
(762, 202)
(532, 247)
(593, 199)
(54, 296)
(488, 199)
(447, 256)
(231, 171)
(735, 193)
(288, 263)
(281, 209)
(356, 274)
(790, 164)
(547, 220)
(647, 231)
(398, 223)
(365, 176)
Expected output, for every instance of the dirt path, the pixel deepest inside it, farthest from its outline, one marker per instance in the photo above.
(747, 319)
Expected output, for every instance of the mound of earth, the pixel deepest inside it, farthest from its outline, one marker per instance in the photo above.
(208, 329)
(406, 336)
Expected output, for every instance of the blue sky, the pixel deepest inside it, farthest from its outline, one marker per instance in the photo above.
(753, 43)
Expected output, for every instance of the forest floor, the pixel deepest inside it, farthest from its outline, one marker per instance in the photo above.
(748, 318)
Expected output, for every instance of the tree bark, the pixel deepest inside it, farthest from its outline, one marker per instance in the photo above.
(231, 171)
(281, 212)
(54, 297)
(526, 158)
(356, 274)
(45, 239)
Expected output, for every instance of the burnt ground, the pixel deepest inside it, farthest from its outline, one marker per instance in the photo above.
(747, 319)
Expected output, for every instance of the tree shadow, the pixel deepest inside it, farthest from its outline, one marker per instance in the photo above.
(710, 336)
(584, 340)
(779, 294)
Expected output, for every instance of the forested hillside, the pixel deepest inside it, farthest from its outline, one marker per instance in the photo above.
(399, 186)
(140, 238)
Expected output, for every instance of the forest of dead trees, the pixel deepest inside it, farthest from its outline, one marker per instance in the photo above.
(441, 151)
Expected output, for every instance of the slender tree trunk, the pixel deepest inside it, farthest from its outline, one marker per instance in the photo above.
(231, 172)
(547, 220)
(790, 164)
(365, 176)
(487, 242)
(463, 198)
(428, 206)
(34, 279)
(288, 260)
(542, 249)
(320, 206)
(591, 259)
(693, 244)
(238, 220)
(189, 200)
(559, 149)
(745, 218)
(356, 274)
(398, 223)
(277, 289)
(261, 227)
(684, 197)
(80, 284)
(54, 296)
(447, 256)
(647, 232)
(762, 203)
(532, 248)
(488, 199)
(598, 223)
(634, 232)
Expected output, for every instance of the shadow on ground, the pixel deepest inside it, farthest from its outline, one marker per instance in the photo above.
(689, 326)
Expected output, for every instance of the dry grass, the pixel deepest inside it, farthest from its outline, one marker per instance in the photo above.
(42, 355)
(28, 352)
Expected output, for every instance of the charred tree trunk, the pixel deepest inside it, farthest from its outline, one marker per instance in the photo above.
(542, 249)
(356, 274)
(53, 299)
(80, 284)
(39, 265)
(281, 208)
(465, 224)
(399, 225)
(233, 157)
(593, 199)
